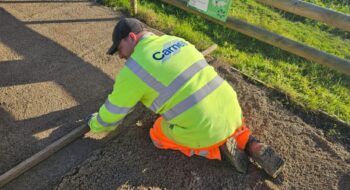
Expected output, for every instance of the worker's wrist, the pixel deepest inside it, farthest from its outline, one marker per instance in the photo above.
(95, 127)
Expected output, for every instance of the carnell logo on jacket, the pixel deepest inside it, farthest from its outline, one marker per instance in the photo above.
(169, 49)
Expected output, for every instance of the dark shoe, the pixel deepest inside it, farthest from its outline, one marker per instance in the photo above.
(265, 157)
(237, 158)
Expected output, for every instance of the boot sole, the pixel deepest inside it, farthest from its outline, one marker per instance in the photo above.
(270, 161)
(234, 156)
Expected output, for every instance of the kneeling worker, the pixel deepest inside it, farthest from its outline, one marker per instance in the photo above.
(200, 113)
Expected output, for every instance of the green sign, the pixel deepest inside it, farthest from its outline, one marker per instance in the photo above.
(217, 9)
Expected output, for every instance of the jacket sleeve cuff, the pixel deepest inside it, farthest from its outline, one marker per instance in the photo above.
(95, 127)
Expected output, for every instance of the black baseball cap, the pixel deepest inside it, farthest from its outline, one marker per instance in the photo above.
(122, 30)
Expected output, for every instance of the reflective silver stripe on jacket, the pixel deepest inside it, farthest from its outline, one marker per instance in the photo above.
(116, 109)
(193, 99)
(104, 124)
(166, 93)
(144, 75)
(203, 153)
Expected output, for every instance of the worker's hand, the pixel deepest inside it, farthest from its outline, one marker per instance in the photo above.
(88, 118)
(93, 124)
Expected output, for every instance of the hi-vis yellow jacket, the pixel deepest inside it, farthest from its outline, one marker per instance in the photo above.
(170, 77)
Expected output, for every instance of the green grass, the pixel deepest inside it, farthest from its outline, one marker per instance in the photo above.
(309, 84)
(337, 5)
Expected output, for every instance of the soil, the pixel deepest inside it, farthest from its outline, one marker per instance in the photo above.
(54, 72)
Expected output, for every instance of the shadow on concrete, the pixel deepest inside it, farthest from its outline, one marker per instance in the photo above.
(70, 21)
(44, 60)
(44, 1)
(344, 182)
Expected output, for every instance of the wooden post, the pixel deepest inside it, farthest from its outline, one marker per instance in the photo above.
(133, 4)
(312, 11)
(307, 52)
(209, 49)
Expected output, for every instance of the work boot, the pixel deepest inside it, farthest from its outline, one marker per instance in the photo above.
(236, 157)
(265, 157)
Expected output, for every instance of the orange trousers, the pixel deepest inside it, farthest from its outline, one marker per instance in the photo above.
(241, 136)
